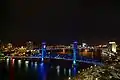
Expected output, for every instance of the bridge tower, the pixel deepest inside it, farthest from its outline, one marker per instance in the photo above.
(43, 50)
(74, 52)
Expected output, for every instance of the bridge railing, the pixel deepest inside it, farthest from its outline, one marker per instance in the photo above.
(65, 56)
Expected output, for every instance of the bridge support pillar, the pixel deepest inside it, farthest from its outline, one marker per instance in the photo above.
(74, 52)
(43, 50)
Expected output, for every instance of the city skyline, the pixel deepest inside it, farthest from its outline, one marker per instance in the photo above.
(59, 40)
(38, 43)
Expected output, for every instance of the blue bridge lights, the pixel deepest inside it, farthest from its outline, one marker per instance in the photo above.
(73, 57)
(74, 52)
(43, 50)
(74, 71)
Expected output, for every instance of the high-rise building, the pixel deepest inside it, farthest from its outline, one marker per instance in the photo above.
(113, 46)
(84, 45)
(29, 45)
(9, 45)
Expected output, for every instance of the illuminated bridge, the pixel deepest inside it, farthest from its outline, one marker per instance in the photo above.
(72, 57)
(68, 57)
(64, 57)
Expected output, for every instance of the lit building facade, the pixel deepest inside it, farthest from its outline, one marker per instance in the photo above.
(9, 45)
(29, 45)
(113, 46)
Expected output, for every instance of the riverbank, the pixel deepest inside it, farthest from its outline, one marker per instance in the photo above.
(110, 71)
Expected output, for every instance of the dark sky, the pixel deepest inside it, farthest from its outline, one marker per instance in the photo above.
(59, 20)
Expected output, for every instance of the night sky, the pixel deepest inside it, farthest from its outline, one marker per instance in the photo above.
(59, 20)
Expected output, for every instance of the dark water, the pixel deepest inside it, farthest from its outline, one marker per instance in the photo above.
(16, 69)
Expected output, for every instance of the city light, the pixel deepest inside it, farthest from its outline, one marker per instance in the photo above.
(35, 65)
(60, 40)
(44, 46)
(58, 70)
(13, 60)
(113, 46)
(49, 53)
(96, 79)
(64, 71)
(78, 71)
(42, 59)
(74, 62)
(69, 78)
(26, 64)
(74, 53)
(19, 63)
(42, 71)
(7, 61)
(111, 42)
(69, 72)
(43, 50)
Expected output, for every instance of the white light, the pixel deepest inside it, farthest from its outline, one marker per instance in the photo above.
(42, 59)
(35, 65)
(7, 59)
(78, 71)
(69, 72)
(44, 46)
(96, 79)
(91, 67)
(48, 52)
(110, 76)
(26, 66)
(113, 46)
(58, 67)
(26, 62)
(64, 71)
(84, 44)
(19, 63)
(58, 70)
(111, 42)
(69, 78)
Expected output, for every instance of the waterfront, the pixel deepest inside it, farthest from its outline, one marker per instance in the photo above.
(16, 69)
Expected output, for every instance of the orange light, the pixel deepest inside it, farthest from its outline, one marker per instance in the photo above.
(86, 50)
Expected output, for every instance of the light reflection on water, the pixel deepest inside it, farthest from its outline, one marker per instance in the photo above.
(19, 63)
(35, 65)
(64, 71)
(58, 70)
(26, 65)
(41, 70)
(69, 72)
(7, 61)
(13, 61)
(74, 71)
(12, 69)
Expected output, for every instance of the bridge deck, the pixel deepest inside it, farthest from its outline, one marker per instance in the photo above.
(78, 60)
